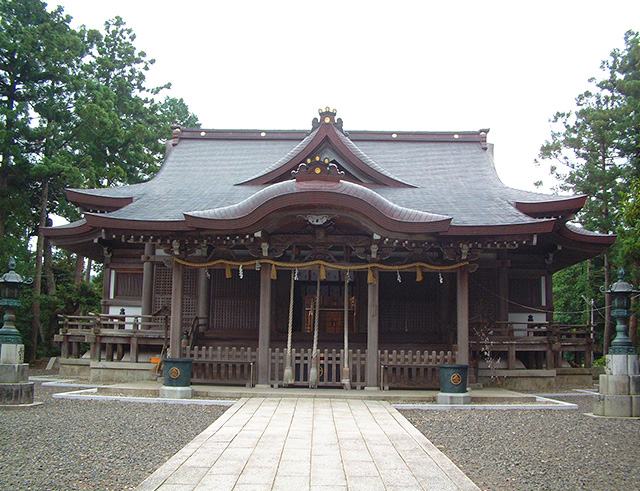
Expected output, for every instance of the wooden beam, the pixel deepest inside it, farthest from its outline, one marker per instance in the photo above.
(372, 332)
(175, 328)
(264, 326)
(463, 315)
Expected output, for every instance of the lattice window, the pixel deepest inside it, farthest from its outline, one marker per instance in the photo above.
(189, 295)
(235, 302)
(162, 291)
(483, 295)
(161, 287)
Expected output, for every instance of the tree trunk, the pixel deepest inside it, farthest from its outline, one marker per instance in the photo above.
(48, 268)
(36, 325)
(87, 272)
(607, 306)
(77, 275)
(633, 323)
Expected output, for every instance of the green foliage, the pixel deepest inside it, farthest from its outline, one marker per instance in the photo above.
(75, 111)
(595, 150)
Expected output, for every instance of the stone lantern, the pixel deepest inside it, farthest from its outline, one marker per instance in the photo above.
(15, 388)
(621, 292)
(620, 385)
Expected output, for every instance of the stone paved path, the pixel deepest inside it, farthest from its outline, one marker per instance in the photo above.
(302, 444)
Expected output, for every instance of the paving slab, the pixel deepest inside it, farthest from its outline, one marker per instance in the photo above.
(309, 444)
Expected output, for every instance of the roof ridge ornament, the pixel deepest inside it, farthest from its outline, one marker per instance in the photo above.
(327, 116)
(317, 170)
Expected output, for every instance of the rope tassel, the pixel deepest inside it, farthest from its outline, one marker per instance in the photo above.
(227, 272)
(371, 278)
(419, 276)
(274, 272)
(323, 272)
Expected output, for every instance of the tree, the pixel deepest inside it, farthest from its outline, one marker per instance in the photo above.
(596, 149)
(75, 111)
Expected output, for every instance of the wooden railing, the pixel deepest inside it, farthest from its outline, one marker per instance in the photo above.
(551, 338)
(108, 335)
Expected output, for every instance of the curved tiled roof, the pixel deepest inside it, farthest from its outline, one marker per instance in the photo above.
(451, 174)
(330, 195)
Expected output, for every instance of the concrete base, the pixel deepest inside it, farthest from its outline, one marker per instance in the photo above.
(74, 368)
(12, 373)
(121, 371)
(622, 365)
(167, 392)
(449, 398)
(374, 388)
(619, 396)
(12, 353)
(16, 394)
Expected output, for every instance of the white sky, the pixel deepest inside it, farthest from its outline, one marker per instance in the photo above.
(384, 65)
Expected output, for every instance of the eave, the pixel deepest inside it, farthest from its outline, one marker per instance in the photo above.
(89, 201)
(553, 207)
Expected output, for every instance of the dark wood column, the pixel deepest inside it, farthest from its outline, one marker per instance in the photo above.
(264, 327)
(463, 315)
(372, 333)
(147, 278)
(503, 291)
(548, 293)
(203, 300)
(175, 330)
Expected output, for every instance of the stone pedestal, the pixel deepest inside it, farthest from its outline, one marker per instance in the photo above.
(453, 398)
(619, 387)
(15, 388)
(169, 392)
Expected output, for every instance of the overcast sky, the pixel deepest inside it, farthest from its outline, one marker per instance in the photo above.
(388, 65)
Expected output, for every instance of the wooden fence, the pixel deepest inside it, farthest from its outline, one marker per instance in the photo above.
(230, 365)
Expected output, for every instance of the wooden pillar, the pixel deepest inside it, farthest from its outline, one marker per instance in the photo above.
(147, 278)
(548, 293)
(463, 315)
(264, 327)
(503, 291)
(106, 288)
(203, 300)
(175, 328)
(372, 333)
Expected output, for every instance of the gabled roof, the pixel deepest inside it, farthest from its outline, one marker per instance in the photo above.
(442, 182)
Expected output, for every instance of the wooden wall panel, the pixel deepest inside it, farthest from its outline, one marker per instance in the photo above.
(128, 284)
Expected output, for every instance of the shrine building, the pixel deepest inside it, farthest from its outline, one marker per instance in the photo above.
(327, 257)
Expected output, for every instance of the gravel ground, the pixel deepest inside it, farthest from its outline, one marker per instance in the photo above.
(68, 444)
(531, 450)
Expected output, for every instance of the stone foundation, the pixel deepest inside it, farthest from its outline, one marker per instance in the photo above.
(537, 380)
(619, 388)
(74, 368)
(121, 371)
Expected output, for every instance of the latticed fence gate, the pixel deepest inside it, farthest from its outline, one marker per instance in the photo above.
(329, 367)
